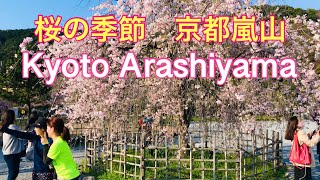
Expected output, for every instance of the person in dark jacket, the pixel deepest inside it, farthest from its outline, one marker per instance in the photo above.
(41, 171)
(30, 128)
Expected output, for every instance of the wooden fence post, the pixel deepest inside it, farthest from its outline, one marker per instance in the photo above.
(239, 167)
(274, 150)
(263, 146)
(253, 154)
(245, 144)
(89, 149)
(97, 149)
(281, 145)
(277, 150)
(125, 153)
(225, 154)
(267, 145)
(142, 161)
(106, 149)
(166, 156)
(135, 154)
(94, 150)
(111, 153)
(202, 157)
(155, 156)
(191, 159)
(85, 151)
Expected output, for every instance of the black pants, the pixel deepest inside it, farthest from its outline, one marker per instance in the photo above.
(13, 163)
(302, 173)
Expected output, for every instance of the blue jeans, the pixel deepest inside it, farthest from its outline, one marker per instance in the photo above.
(13, 163)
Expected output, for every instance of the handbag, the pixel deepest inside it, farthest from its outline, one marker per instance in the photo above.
(299, 154)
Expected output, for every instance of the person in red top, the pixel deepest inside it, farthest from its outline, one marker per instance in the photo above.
(140, 121)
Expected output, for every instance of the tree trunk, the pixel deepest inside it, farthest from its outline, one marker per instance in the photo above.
(184, 119)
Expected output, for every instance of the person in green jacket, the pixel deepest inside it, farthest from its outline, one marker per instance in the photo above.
(59, 153)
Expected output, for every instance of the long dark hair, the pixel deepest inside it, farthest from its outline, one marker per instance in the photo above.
(291, 128)
(59, 128)
(8, 117)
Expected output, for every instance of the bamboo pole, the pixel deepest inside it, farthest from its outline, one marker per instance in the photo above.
(120, 155)
(179, 162)
(85, 152)
(111, 154)
(225, 154)
(124, 157)
(142, 160)
(190, 154)
(273, 149)
(166, 155)
(240, 155)
(281, 143)
(156, 156)
(135, 153)
(202, 158)
(253, 154)
(277, 150)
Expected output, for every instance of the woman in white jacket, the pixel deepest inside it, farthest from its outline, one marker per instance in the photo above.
(302, 171)
(13, 148)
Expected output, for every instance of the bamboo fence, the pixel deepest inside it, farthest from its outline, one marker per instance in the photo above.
(214, 154)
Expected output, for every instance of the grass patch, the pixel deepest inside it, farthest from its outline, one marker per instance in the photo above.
(175, 169)
(267, 118)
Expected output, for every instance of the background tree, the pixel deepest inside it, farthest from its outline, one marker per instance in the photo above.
(3, 106)
(13, 88)
(183, 100)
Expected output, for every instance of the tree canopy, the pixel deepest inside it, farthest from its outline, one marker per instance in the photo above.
(13, 87)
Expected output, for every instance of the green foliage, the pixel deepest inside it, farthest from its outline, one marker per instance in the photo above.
(106, 175)
(199, 119)
(287, 11)
(100, 173)
(266, 118)
(111, 176)
(13, 87)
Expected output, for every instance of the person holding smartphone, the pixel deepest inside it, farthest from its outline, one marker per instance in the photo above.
(41, 171)
(13, 148)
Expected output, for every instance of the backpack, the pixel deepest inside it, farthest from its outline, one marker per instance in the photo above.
(299, 154)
